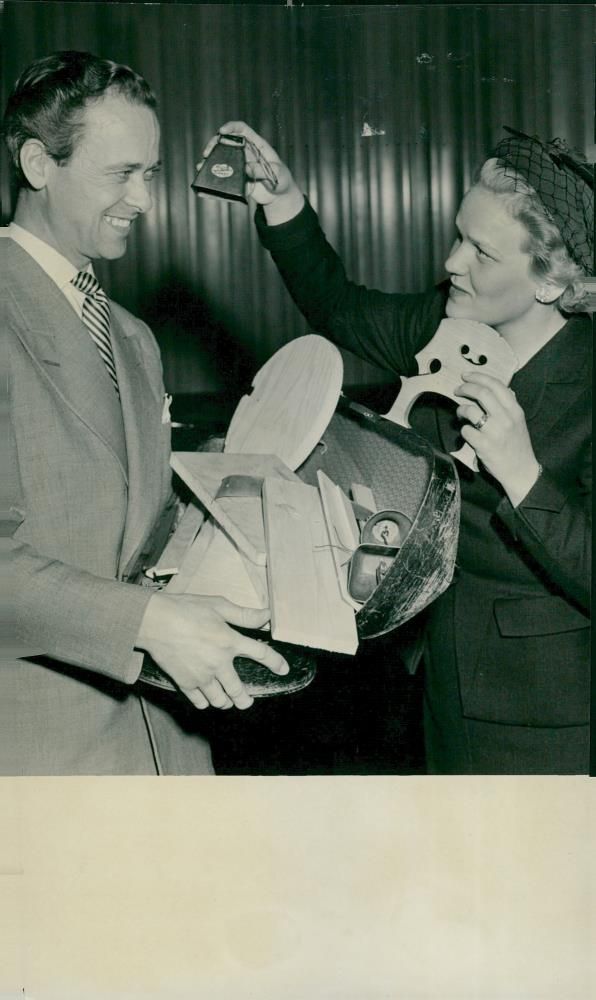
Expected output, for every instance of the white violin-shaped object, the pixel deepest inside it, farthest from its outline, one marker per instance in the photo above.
(457, 344)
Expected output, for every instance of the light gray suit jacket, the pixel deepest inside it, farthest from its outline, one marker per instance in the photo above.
(90, 479)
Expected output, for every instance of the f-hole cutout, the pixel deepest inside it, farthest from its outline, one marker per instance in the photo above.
(465, 350)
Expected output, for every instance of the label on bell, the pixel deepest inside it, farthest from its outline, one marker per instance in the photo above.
(222, 170)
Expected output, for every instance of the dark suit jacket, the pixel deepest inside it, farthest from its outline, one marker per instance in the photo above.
(522, 588)
(90, 480)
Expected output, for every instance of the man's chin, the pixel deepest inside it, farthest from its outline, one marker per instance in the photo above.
(114, 252)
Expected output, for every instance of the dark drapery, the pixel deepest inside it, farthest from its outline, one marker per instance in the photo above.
(382, 112)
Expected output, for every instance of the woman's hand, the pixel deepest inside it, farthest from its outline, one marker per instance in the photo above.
(269, 183)
(502, 441)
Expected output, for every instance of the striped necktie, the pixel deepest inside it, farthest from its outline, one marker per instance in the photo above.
(96, 317)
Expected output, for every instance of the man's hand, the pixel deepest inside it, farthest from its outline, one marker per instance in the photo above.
(189, 638)
(281, 200)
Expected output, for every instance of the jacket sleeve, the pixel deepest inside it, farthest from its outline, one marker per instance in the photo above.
(554, 525)
(383, 328)
(53, 609)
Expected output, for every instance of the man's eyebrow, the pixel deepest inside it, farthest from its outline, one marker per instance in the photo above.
(136, 166)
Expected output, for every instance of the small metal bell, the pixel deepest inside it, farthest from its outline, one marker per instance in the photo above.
(222, 174)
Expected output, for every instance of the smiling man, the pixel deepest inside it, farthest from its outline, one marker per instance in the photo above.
(88, 453)
(84, 206)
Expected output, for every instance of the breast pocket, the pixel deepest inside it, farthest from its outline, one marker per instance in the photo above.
(548, 615)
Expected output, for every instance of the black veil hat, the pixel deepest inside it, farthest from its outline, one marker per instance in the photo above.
(564, 182)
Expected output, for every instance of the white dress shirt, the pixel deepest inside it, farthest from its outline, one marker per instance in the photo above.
(57, 267)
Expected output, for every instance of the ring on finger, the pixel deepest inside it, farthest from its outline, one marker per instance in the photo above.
(479, 424)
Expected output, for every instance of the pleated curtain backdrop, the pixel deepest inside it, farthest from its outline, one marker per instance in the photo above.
(383, 113)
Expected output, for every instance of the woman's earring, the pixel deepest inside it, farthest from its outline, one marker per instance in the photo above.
(548, 294)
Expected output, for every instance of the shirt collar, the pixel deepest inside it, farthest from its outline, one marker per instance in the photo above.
(57, 267)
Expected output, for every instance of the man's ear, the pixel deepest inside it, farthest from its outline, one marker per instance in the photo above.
(35, 163)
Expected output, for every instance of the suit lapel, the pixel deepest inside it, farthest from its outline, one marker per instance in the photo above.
(63, 350)
(551, 381)
(141, 400)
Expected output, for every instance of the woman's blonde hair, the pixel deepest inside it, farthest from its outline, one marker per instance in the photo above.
(550, 258)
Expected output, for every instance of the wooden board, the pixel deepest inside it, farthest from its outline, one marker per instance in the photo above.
(293, 399)
(342, 529)
(180, 542)
(222, 571)
(305, 600)
(179, 583)
(363, 495)
(240, 517)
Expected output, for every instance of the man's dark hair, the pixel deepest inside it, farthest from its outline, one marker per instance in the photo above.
(50, 96)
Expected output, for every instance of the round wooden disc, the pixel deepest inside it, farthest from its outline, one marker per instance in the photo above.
(293, 399)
